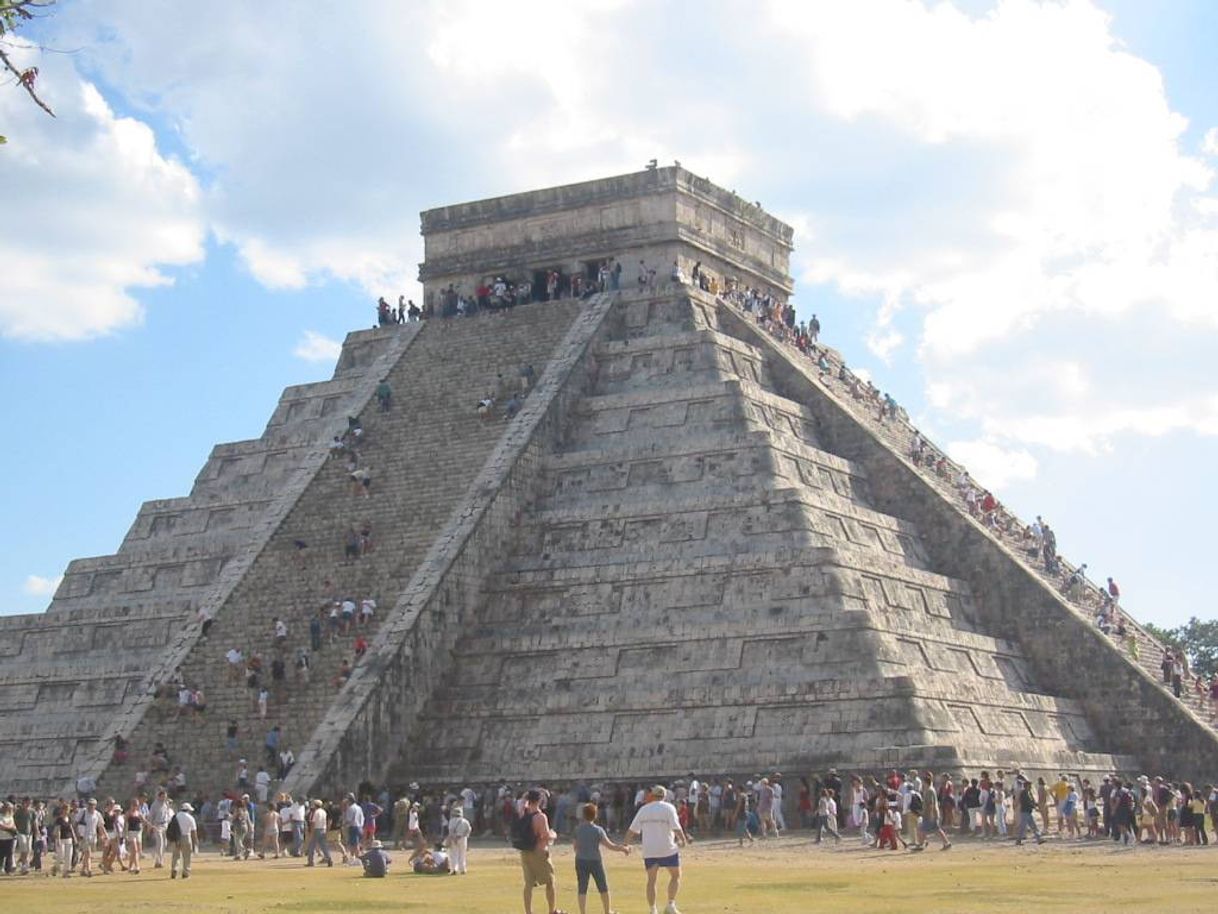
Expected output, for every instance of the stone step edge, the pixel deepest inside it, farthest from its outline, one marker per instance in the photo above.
(128, 718)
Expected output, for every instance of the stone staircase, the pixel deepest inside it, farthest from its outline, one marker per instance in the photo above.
(703, 586)
(423, 454)
(899, 433)
(81, 671)
(1067, 651)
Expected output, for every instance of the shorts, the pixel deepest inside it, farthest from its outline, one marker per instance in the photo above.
(594, 869)
(671, 862)
(23, 844)
(354, 833)
(929, 825)
(538, 870)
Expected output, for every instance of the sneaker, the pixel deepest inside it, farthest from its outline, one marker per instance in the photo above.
(653, 910)
(671, 908)
(173, 874)
(186, 875)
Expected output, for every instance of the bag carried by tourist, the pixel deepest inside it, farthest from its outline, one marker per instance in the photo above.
(173, 831)
(523, 836)
(915, 802)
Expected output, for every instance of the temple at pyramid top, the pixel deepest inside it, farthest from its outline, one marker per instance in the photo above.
(654, 217)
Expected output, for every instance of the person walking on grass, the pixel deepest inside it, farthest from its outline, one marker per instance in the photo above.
(183, 835)
(661, 836)
(317, 822)
(532, 836)
(929, 824)
(1027, 805)
(589, 839)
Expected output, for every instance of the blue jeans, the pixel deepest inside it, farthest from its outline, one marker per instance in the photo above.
(1025, 822)
(594, 869)
(317, 845)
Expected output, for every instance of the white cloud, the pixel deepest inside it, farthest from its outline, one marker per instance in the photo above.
(314, 347)
(92, 211)
(38, 586)
(1095, 431)
(991, 463)
(1001, 184)
(1088, 168)
(1042, 233)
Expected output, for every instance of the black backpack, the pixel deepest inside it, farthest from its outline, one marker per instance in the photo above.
(915, 802)
(173, 831)
(523, 836)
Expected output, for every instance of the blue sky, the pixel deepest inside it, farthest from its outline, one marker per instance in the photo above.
(1006, 214)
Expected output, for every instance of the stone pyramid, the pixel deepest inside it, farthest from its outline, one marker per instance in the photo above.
(705, 584)
(688, 551)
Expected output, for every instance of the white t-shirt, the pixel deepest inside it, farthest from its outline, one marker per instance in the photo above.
(89, 823)
(186, 822)
(656, 822)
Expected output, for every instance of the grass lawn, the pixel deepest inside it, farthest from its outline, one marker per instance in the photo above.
(779, 877)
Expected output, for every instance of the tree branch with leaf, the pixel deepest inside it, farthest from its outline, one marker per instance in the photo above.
(15, 14)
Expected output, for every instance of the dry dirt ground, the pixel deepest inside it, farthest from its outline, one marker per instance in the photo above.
(782, 876)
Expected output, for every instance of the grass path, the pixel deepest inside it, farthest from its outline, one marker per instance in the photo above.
(780, 877)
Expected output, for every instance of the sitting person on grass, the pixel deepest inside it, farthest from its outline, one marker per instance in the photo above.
(433, 863)
(376, 861)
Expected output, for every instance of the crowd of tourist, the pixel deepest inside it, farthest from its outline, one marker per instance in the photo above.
(432, 828)
(505, 292)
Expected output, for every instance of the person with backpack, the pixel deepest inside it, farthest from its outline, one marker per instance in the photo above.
(182, 833)
(532, 836)
(1027, 805)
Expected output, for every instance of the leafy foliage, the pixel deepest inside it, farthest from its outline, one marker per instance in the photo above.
(1199, 641)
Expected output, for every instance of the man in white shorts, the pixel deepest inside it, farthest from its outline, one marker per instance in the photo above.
(91, 835)
(657, 823)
